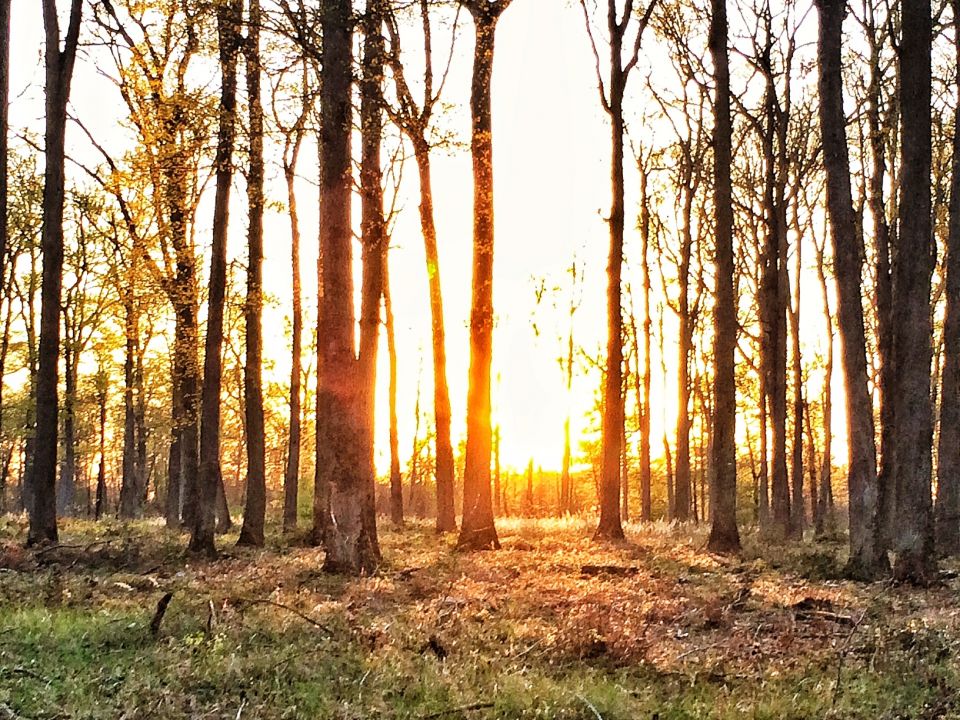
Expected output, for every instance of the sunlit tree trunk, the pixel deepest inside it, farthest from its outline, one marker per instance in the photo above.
(396, 480)
(797, 514)
(867, 559)
(254, 512)
(477, 529)
(913, 331)
(229, 20)
(724, 536)
(948, 460)
(646, 496)
(59, 74)
(130, 497)
(825, 495)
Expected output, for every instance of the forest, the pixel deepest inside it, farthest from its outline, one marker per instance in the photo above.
(300, 418)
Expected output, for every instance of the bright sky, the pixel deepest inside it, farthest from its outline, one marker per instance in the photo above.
(551, 150)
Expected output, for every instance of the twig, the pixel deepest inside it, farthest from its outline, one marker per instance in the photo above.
(158, 615)
(590, 705)
(293, 610)
(462, 708)
(695, 650)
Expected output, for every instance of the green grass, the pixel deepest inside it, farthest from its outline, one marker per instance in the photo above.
(518, 633)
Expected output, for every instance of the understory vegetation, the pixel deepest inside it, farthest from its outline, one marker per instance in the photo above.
(550, 626)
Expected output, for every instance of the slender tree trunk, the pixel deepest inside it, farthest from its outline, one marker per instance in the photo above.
(101, 504)
(825, 495)
(913, 331)
(948, 460)
(646, 501)
(797, 514)
(624, 466)
(4, 141)
(229, 19)
(291, 476)
(129, 487)
(59, 74)
(254, 512)
(724, 536)
(66, 491)
(396, 481)
(867, 559)
(682, 493)
(477, 530)
(446, 517)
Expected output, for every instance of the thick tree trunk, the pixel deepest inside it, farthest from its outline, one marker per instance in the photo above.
(724, 536)
(342, 481)
(948, 460)
(913, 331)
(59, 74)
(867, 559)
(255, 509)
(229, 19)
(477, 530)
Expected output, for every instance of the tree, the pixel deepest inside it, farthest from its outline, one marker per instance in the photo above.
(948, 459)
(912, 325)
(867, 559)
(59, 65)
(414, 120)
(477, 529)
(724, 536)
(229, 19)
(254, 512)
(611, 98)
(341, 517)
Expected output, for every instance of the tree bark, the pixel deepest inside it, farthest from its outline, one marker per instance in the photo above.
(477, 529)
(130, 497)
(724, 536)
(396, 480)
(59, 74)
(867, 559)
(948, 464)
(342, 481)
(913, 331)
(254, 512)
(229, 19)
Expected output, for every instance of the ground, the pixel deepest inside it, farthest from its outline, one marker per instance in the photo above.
(551, 626)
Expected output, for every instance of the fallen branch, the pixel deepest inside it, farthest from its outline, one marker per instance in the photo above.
(293, 610)
(158, 615)
(609, 570)
(462, 708)
(695, 650)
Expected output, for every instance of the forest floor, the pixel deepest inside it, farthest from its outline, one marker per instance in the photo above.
(551, 626)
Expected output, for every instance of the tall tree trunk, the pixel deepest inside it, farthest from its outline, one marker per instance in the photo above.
(477, 530)
(825, 494)
(724, 536)
(4, 141)
(229, 20)
(446, 517)
(867, 559)
(374, 242)
(101, 502)
(948, 460)
(682, 492)
(797, 514)
(624, 465)
(291, 476)
(646, 498)
(342, 481)
(913, 331)
(396, 481)
(59, 74)
(254, 512)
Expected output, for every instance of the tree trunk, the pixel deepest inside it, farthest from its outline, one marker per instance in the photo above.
(255, 509)
(101, 503)
(825, 494)
(66, 491)
(130, 497)
(867, 559)
(682, 497)
(477, 530)
(724, 536)
(646, 500)
(342, 482)
(396, 480)
(797, 514)
(229, 19)
(59, 74)
(948, 464)
(913, 331)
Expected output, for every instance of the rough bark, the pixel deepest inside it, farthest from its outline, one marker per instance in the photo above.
(254, 512)
(59, 74)
(339, 511)
(913, 331)
(867, 559)
(948, 458)
(229, 19)
(724, 536)
(477, 529)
